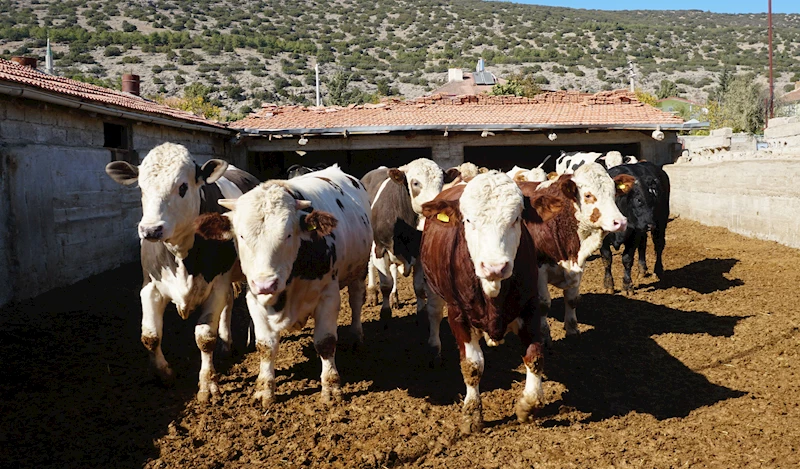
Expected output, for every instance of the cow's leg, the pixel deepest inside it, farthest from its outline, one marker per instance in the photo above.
(372, 289)
(153, 305)
(627, 264)
(544, 307)
(205, 335)
(608, 260)
(225, 326)
(325, 338)
(571, 299)
(394, 297)
(472, 363)
(642, 249)
(355, 294)
(384, 274)
(533, 394)
(435, 313)
(659, 241)
(420, 290)
(267, 341)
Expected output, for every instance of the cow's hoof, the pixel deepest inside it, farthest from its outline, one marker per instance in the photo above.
(394, 300)
(435, 355)
(372, 297)
(386, 315)
(471, 418)
(608, 283)
(571, 327)
(204, 396)
(525, 408)
(331, 395)
(627, 289)
(166, 376)
(265, 392)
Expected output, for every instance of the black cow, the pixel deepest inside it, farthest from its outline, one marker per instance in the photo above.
(644, 200)
(298, 170)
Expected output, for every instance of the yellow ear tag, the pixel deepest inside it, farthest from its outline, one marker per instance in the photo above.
(622, 187)
(312, 227)
(442, 217)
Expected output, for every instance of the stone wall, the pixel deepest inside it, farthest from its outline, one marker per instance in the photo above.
(65, 218)
(757, 198)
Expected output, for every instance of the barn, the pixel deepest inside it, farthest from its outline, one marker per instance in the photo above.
(65, 218)
(493, 131)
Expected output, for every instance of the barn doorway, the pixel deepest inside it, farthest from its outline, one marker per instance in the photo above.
(273, 164)
(506, 157)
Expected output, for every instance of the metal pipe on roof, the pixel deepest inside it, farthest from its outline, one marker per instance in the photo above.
(470, 128)
(74, 103)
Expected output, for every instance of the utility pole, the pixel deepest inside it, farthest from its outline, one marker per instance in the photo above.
(771, 83)
(316, 72)
(632, 75)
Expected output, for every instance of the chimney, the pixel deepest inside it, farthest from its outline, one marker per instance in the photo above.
(130, 84)
(455, 74)
(25, 61)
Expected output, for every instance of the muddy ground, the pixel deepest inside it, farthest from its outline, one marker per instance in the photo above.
(698, 369)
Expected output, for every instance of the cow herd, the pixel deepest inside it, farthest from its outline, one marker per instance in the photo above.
(484, 243)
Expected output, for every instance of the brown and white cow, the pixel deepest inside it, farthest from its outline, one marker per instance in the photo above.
(178, 266)
(300, 242)
(568, 239)
(480, 259)
(396, 197)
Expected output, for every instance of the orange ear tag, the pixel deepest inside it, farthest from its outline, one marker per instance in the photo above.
(442, 217)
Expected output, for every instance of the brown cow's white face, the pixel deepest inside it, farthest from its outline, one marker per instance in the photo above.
(425, 179)
(596, 206)
(491, 209)
(170, 182)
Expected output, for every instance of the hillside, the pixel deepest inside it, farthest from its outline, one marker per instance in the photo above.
(249, 52)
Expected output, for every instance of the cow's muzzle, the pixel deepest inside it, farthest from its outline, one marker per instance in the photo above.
(152, 232)
(495, 271)
(264, 285)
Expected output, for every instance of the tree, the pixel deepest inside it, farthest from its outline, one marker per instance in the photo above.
(517, 84)
(668, 89)
(646, 98)
(742, 106)
(340, 93)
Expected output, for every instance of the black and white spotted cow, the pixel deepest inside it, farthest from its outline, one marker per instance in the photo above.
(178, 266)
(396, 198)
(567, 163)
(300, 241)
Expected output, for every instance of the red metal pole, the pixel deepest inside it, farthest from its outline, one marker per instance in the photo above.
(771, 84)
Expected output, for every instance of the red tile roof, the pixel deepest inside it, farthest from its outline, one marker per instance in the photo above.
(556, 109)
(85, 92)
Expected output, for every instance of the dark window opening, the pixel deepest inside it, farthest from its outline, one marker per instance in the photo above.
(115, 136)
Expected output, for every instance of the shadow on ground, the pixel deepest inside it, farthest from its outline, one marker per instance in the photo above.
(705, 276)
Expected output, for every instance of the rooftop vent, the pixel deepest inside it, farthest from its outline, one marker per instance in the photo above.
(455, 74)
(130, 84)
(25, 61)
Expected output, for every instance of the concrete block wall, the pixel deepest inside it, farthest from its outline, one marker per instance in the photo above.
(65, 218)
(757, 198)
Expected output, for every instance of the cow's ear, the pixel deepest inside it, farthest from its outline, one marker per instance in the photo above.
(520, 176)
(552, 175)
(445, 211)
(212, 170)
(483, 169)
(318, 223)
(397, 176)
(230, 204)
(624, 183)
(451, 174)
(569, 188)
(214, 226)
(545, 207)
(122, 172)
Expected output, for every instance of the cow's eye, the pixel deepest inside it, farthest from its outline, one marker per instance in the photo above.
(415, 183)
(182, 190)
(289, 236)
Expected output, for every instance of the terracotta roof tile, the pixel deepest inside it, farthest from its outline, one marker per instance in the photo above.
(15, 73)
(557, 108)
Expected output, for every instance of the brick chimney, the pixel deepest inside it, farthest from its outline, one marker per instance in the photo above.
(130, 84)
(25, 61)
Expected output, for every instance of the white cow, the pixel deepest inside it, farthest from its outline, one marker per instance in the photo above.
(300, 241)
(563, 258)
(190, 272)
(396, 198)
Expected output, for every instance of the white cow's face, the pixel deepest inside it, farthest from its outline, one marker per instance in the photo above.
(596, 192)
(268, 226)
(170, 182)
(491, 209)
(424, 180)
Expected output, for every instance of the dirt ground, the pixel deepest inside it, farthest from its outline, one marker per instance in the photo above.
(698, 369)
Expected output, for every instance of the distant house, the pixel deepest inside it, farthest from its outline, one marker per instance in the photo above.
(63, 218)
(468, 83)
(683, 107)
(493, 131)
(789, 103)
